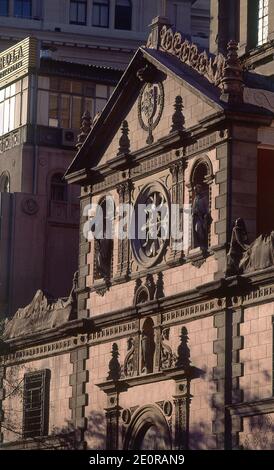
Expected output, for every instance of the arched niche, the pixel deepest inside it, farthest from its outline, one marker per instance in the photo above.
(147, 346)
(148, 430)
(103, 246)
(202, 176)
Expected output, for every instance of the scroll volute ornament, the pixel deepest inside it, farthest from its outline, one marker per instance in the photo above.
(211, 67)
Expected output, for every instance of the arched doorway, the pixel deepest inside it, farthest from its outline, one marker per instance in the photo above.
(148, 430)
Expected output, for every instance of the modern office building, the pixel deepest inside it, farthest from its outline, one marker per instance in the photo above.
(101, 32)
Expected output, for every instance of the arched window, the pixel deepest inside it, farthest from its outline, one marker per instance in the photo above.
(100, 13)
(58, 188)
(201, 203)
(123, 14)
(5, 183)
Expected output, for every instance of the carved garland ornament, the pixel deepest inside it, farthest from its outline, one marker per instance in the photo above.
(210, 67)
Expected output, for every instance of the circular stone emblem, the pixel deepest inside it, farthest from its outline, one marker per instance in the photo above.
(167, 408)
(30, 206)
(150, 107)
(151, 229)
(126, 416)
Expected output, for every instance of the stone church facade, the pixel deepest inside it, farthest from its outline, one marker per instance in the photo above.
(160, 345)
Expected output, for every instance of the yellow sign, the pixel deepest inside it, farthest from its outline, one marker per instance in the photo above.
(17, 60)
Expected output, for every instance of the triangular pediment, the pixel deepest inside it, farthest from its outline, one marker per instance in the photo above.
(199, 99)
(169, 85)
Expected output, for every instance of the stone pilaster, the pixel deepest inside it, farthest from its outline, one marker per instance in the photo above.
(84, 249)
(2, 397)
(219, 376)
(79, 399)
(237, 372)
(181, 402)
(113, 412)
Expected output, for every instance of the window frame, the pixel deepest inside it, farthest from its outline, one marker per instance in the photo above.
(21, 3)
(101, 4)
(29, 405)
(262, 21)
(56, 186)
(7, 9)
(120, 7)
(78, 3)
(91, 100)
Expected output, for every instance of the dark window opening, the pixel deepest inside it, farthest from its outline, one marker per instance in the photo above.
(58, 189)
(100, 14)
(36, 404)
(78, 12)
(23, 8)
(265, 198)
(123, 15)
(4, 7)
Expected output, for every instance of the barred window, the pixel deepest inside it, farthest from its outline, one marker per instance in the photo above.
(36, 404)
(262, 21)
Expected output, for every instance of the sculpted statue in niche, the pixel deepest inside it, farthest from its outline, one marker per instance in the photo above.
(104, 245)
(103, 257)
(238, 246)
(201, 218)
(147, 347)
(167, 357)
(129, 360)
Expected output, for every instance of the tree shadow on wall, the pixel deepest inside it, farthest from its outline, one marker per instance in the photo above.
(258, 434)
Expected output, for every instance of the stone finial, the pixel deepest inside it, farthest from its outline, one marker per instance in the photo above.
(114, 372)
(232, 81)
(154, 38)
(178, 119)
(85, 129)
(124, 142)
(183, 359)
